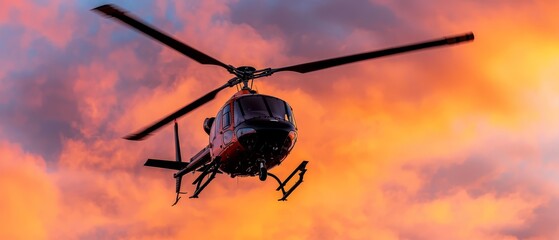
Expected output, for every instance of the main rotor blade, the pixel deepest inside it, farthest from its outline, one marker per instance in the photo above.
(113, 11)
(333, 62)
(186, 109)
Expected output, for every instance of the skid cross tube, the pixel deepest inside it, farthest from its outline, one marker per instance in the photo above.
(302, 169)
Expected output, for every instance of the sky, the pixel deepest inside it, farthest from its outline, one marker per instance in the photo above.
(457, 142)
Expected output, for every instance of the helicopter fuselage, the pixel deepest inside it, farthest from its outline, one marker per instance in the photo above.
(250, 130)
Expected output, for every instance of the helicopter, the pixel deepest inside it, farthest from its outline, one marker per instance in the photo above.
(252, 132)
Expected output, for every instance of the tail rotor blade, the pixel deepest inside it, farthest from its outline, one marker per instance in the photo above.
(333, 62)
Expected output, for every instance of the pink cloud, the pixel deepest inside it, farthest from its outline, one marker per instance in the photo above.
(39, 20)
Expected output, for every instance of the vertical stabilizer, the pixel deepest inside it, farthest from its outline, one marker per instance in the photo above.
(178, 158)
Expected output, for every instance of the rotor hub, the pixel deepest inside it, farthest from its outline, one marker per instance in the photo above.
(247, 69)
(245, 74)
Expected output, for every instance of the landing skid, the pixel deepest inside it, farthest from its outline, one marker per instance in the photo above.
(302, 169)
(211, 169)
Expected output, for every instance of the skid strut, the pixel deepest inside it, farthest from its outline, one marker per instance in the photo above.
(302, 169)
(212, 169)
(263, 172)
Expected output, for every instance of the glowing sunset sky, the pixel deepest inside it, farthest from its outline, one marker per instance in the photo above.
(458, 142)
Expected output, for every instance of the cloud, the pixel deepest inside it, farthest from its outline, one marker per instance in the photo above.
(456, 142)
(29, 195)
(540, 224)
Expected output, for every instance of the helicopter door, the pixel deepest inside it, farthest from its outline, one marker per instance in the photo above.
(217, 140)
(226, 123)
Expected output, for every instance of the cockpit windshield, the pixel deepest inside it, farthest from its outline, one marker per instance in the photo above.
(260, 106)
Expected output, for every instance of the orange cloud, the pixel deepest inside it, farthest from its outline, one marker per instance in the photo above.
(29, 196)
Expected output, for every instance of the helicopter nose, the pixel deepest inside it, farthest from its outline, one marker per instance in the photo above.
(267, 142)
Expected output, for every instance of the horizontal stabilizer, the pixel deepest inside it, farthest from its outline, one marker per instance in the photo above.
(165, 164)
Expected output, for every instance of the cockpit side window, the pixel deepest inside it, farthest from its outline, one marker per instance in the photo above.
(226, 116)
(289, 115)
(217, 123)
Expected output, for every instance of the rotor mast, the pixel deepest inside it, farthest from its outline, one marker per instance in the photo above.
(244, 74)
